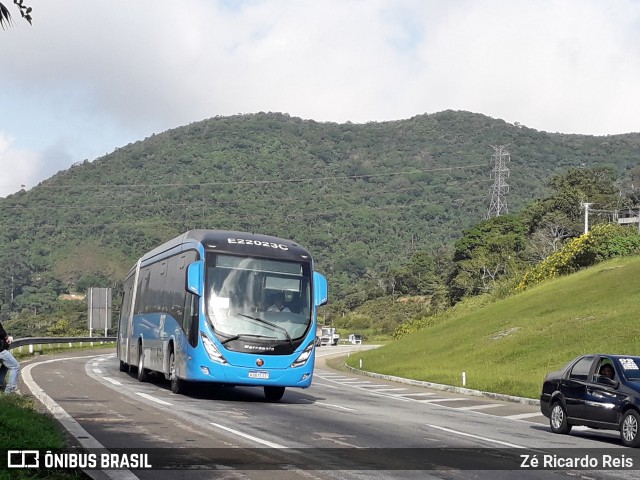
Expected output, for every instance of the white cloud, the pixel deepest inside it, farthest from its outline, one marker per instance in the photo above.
(20, 168)
(90, 78)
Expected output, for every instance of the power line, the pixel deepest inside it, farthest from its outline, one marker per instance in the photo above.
(259, 182)
(248, 217)
(207, 203)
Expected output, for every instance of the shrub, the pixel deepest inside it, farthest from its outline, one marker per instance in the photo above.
(601, 243)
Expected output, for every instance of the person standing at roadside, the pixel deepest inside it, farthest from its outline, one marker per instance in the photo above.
(8, 363)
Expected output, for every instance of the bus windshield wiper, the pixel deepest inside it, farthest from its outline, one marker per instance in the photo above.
(272, 325)
(230, 339)
(241, 335)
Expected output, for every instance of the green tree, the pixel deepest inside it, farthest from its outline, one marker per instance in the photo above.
(487, 252)
(559, 217)
(417, 277)
(5, 14)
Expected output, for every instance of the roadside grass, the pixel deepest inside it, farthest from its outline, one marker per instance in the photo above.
(510, 345)
(23, 425)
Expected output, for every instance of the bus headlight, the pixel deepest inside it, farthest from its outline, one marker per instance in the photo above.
(303, 357)
(212, 351)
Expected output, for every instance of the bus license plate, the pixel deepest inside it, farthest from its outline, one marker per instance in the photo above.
(258, 374)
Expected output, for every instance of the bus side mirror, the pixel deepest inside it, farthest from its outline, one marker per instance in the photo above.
(320, 289)
(195, 278)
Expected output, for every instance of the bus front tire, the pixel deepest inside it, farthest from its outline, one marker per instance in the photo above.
(143, 374)
(273, 394)
(178, 386)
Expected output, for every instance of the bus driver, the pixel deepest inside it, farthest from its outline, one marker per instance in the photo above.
(278, 304)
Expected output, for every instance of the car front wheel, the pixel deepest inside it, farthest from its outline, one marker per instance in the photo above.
(558, 419)
(629, 431)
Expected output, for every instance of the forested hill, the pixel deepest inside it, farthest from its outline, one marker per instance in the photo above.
(359, 196)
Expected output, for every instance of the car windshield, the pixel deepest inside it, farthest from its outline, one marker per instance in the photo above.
(630, 367)
(257, 297)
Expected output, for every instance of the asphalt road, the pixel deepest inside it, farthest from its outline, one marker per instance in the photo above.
(345, 426)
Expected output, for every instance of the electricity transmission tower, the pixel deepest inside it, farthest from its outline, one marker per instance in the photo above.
(500, 173)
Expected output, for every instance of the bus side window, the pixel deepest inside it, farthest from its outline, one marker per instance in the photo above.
(190, 318)
(125, 309)
(142, 300)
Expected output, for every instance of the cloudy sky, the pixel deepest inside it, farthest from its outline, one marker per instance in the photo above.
(91, 76)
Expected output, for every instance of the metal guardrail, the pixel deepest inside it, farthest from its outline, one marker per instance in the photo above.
(31, 341)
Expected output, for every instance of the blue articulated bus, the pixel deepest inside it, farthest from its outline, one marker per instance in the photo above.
(225, 307)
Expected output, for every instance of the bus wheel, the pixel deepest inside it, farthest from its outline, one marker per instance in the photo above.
(143, 374)
(177, 384)
(273, 394)
(124, 367)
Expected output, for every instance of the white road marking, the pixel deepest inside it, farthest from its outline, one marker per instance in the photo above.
(153, 399)
(97, 370)
(432, 400)
(111, 380)
(423, 394)
(490, 440)
(482, 407)
(385, 389)
(336, 406)
(249, 437)
(328, 385)
(523, 415)
(67, 421)
(409, 397)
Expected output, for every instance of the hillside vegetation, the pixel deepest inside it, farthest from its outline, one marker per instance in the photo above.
(379, 204)
(508, 346)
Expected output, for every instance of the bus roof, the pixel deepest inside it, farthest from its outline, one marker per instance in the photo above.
(227, 241)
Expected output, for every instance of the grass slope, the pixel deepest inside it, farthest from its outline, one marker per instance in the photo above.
(23, 427)
(509, 346)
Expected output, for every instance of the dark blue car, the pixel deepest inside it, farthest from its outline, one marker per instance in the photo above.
(597, 391)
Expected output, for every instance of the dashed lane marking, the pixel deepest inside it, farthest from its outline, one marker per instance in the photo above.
(385, 389)
(153, 399)
(336, 406)
(423, 394)
(523, 415)
(433, 400)
(248, 437)
(478, 437)
(113, 381)
(482, 406)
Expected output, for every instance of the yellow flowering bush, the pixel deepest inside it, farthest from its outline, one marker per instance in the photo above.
(602, 242)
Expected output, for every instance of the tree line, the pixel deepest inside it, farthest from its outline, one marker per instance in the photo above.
(386, 208)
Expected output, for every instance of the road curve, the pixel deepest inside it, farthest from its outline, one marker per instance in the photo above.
(345, 426)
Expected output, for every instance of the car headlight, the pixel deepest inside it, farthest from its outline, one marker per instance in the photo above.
(304, 356)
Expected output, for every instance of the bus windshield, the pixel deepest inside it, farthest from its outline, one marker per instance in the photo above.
(257, 297)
